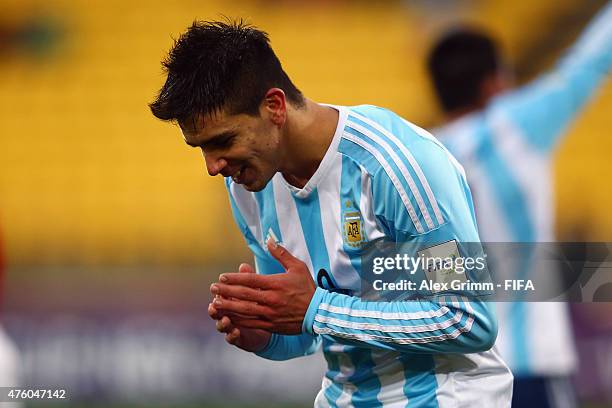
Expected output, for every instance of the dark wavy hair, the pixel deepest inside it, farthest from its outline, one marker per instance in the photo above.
(218, 66)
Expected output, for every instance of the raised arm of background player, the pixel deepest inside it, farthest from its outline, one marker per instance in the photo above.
(542, 110)
(443, 325)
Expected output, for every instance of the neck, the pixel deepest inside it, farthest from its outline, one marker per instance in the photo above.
(491, 87)
(308, 134)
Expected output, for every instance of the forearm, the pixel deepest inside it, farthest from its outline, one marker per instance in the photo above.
(594, 49)
(445, 325)
(543, 109)
(282, 347)
(583, 69)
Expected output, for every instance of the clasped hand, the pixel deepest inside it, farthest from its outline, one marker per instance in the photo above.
(272, 303)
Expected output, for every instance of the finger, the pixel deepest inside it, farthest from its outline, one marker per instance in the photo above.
(251, 280)
(238, 292)
(242, 308)
(211, 292)
(281, 254)
(245, 268)
(213, 312)
(224, 325)
(233, 336)
(250, 323)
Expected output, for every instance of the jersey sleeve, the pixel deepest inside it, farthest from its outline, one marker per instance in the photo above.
(543, 109)
(446, 323)
(280, 347)
(283, 347)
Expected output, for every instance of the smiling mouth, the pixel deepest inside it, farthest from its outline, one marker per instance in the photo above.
(236, 176)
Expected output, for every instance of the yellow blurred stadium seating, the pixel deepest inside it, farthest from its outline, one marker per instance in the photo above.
(89, 177)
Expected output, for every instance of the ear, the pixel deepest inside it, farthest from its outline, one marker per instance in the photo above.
(274, 106)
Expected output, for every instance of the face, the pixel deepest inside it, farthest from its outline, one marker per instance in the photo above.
(495, 84)
(243, 147)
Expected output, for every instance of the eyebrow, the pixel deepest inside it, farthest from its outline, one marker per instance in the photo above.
(215, 140)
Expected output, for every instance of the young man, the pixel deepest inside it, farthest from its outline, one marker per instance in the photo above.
(324, 181)
(506, 141)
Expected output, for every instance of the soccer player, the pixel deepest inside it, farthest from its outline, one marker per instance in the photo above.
(309, 186)
(506, 139)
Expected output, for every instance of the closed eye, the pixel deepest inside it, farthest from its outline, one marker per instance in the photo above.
(223, 140)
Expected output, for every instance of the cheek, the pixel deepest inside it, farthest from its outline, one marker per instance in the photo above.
(272, 141)
(266, 145)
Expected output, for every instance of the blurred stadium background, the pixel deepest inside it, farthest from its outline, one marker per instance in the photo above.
(112, 233)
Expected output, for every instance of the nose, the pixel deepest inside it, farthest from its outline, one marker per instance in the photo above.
(214, 165)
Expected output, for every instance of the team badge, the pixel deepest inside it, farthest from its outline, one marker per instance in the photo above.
(352, 227)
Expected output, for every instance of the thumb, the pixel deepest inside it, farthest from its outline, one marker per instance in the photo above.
(245, 268)
(281, 254)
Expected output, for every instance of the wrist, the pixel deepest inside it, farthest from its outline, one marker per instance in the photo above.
(268, 348)
(313, 307)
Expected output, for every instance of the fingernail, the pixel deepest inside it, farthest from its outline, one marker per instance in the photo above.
(217, 302)
(272, 243)
(223, 278)
(214, 289)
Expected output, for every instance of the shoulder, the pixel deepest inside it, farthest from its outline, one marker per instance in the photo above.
(384, 142)
(412, 173)
(466, 136)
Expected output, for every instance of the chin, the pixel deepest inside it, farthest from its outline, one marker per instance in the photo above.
(254, 187)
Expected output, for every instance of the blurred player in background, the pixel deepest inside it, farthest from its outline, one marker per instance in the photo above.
(505, 139)
(324, 180)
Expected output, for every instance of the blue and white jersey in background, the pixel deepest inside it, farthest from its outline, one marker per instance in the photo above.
(507, 153)
(390, 179)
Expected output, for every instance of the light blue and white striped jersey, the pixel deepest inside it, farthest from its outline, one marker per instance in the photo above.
(506, 150)
(400, 183)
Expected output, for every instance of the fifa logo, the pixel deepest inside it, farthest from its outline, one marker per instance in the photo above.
(353, 226)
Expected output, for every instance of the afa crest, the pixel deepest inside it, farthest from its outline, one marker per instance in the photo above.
(352, 228)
